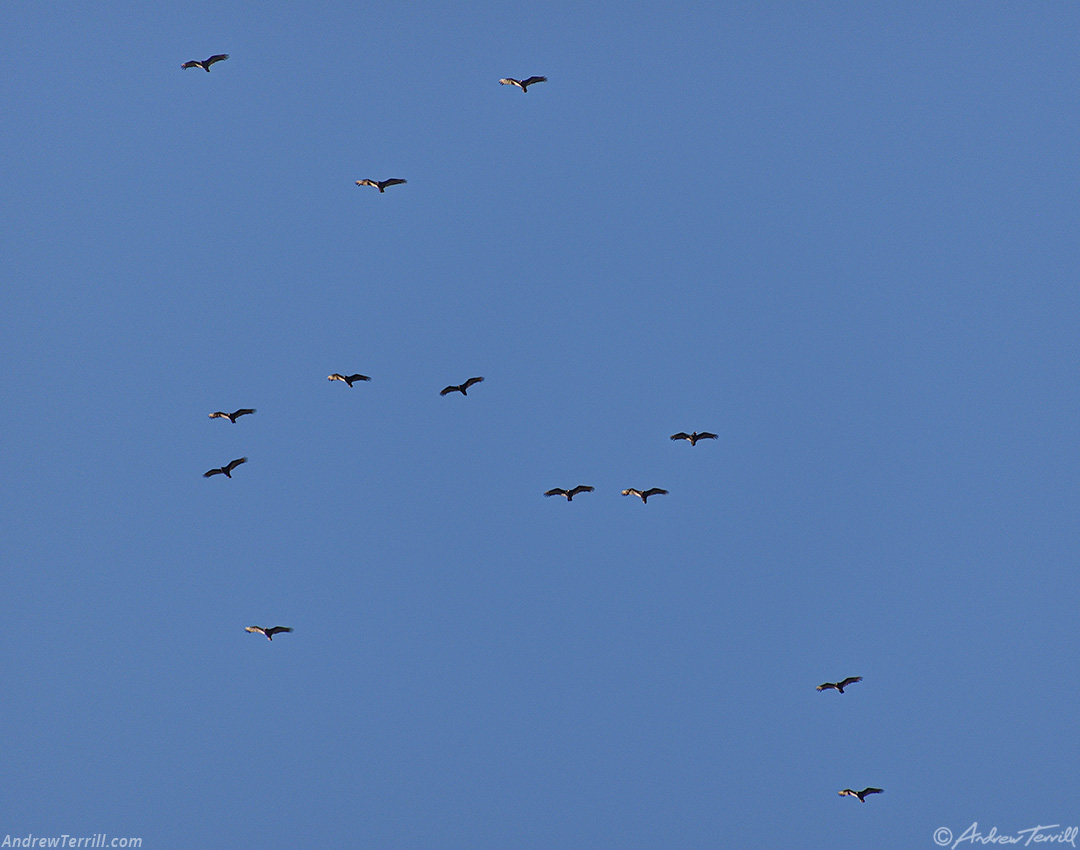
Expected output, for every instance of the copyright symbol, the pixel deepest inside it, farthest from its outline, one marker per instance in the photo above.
(942, 835)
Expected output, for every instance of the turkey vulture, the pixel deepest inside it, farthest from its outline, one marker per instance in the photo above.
(462, 388)
(850, 680)
(559, 491)
(847, 792)
(206, 63)
(381, 184)
(348, 379)
(693, 438)
(523, 84)
(227, 469)
(243, 411)
(273, 630)
(644, 496)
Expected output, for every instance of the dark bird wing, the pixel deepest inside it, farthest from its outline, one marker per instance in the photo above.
(449, 390)
(850, 680)
(581, 488)
(532, 80)
(393, 181)
(276, 630)
(192, 64)
(470, 382)
(557, 491)
(244, 411)
(682, 435)
(367, 183)
(826, 685)
(655, 491)
(217, 57)
(358, 378)
(235, 463)
(210, 472)
(706, 435)
(866, 791)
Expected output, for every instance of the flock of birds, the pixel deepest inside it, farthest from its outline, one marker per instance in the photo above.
(463, 388)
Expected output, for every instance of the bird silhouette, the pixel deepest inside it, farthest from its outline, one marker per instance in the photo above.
(381, 184)
(348, 379)
(243, 411)
(461, 388)
(273, 630)
(206, 63)
(693, 438)
(644, 495)
(558, 491)
(850, 680)
(225, 470)
(847, 792)
(523, 84)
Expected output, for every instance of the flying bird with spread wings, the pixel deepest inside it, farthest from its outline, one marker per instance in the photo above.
(644, 494)
(269, 633)
(381, 184)
(847, 792)
(523, 84)
(348, 379)
(243, 411)
(225, 470)
(206, 63)
(559, 491)
(461, 388)
(850, 680)
(694, 437)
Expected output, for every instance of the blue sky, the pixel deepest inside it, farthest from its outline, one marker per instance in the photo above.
(842, 236)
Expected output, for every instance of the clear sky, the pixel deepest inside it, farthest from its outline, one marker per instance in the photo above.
(841, 236)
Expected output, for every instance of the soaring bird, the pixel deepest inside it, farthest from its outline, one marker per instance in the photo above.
(348, 379)
(381, 184)
(273, 630)
(850, 680)
(225, 470)
(559, 491)
(523, 84)
(206, 63)
(644, 495)
(847, 792)
(243, 411)
(693, 438)
(462, 387)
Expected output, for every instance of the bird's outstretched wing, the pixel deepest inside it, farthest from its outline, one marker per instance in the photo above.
(277, 630)
(350, 378)
(243, 411)
(449, 390)
(510, 81)
(367, 183)
(532, 80)
(706, 435)
(470, 382)
(210, 472)
(866, 791)
(255, 630)
(682, 435)
(655, 491)
(191, 64)
(847, 792)
(850, 680)
(632, 492)
(581, 488)
(235, 463)
(556, 491)
(217, 57)
(219, 415)
(824, 686)
(393, 181)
